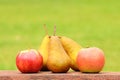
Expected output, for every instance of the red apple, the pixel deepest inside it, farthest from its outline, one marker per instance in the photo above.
(29, 61)
(90, 60)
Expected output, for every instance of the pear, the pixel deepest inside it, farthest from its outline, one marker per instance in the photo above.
(44, 51)
(58, 60)
(72, 48)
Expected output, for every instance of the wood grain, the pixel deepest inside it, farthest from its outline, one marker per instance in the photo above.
(16, 75)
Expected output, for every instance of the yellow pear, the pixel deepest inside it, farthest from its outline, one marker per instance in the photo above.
(58, 60)
(72, 48)
(44, 51)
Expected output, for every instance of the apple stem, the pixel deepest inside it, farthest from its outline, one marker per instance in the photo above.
(46, 30)
(54, 30)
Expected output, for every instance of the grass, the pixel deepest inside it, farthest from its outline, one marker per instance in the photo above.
(90, 23)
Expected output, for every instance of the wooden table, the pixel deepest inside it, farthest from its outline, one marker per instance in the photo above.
(16, 75)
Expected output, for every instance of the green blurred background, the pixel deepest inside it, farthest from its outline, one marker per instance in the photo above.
(89, 22)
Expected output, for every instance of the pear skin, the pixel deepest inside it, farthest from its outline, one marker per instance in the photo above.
(44, 51)
(58, 60)
(72, 48)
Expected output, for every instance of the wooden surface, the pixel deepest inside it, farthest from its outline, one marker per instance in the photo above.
(16, 75)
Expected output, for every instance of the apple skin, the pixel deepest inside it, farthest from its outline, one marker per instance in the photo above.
(90, 60)
(29, 61)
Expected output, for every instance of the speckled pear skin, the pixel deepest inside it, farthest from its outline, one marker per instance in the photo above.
(58, 60)
(72, 48)
(44, 51)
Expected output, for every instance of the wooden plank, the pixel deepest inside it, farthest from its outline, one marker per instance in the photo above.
(16, 75)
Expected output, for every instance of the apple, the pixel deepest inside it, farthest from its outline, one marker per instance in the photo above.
(90, 60)
(29, 61)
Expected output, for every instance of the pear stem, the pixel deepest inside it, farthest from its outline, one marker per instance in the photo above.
(54, 31)
(45, 28)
